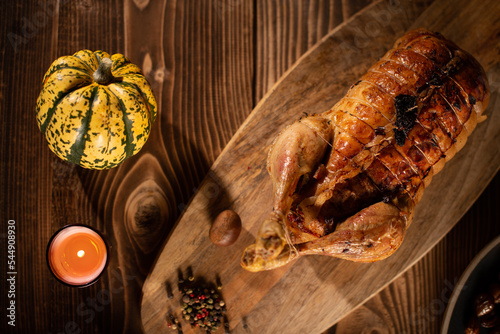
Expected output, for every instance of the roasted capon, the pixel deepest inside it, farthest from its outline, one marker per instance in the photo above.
(346, 181)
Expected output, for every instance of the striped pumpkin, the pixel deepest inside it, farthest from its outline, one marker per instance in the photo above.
(95, 110)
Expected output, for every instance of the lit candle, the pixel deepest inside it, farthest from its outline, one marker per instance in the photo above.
(77, 255)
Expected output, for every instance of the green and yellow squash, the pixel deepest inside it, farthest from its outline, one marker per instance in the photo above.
(95, 110)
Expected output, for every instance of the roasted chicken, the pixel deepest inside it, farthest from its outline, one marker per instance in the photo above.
(346, 181)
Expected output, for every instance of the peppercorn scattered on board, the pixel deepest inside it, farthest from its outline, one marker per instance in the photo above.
(312, 293)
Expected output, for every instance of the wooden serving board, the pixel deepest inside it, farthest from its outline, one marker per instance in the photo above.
(313, 293)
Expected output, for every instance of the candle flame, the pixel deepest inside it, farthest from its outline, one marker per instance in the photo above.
(80, 253)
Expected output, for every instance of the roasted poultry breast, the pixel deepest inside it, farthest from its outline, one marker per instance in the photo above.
(346, 181)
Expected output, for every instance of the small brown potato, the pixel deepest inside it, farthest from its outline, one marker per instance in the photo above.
(226, 228)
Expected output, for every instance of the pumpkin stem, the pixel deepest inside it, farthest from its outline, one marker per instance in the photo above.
(103, 73)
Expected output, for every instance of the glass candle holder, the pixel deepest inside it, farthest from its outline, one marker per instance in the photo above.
(77, 255)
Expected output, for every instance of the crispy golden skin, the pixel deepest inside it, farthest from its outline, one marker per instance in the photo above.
(346, 181)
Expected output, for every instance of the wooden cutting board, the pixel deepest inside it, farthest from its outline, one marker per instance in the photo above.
(313, 293)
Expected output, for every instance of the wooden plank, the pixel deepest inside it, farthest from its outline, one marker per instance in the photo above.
(266, 305)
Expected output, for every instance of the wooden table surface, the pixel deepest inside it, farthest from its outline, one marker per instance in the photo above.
(209, 62)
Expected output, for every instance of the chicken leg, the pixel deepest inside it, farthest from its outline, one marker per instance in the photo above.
(295, 153)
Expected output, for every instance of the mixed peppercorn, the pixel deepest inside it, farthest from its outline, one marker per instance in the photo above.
(202, 306)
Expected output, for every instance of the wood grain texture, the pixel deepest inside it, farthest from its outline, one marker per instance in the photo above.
(210, 62)
(285, 30)
(279, 290)
(40, 192)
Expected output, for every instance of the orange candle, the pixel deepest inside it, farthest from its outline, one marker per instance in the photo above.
(77, 255)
